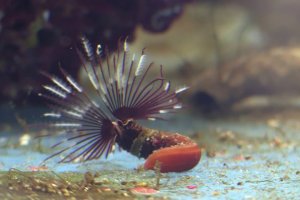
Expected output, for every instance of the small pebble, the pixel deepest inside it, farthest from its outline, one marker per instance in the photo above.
(106, 189)
(105, 180)
(240, 183)
(141, 184)
(24, 139)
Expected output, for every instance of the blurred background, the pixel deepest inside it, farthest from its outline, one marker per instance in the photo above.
(234, 55)
(240, 58)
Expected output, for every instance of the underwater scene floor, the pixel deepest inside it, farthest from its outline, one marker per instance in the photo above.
(252, 156)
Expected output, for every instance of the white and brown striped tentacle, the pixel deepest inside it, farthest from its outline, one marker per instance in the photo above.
(122, 83)
(81, 117)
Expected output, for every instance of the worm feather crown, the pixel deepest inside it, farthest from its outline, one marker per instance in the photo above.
(123, 90)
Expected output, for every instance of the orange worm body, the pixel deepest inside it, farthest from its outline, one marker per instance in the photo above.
(174, 152)
(123, 93)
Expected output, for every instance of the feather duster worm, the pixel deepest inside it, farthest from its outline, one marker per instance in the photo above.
(123, 93)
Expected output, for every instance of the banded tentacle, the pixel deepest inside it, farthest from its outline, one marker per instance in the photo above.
(124, 84)
(78, 114)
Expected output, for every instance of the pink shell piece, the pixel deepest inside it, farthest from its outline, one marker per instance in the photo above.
(144, 190)
(191, 187)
